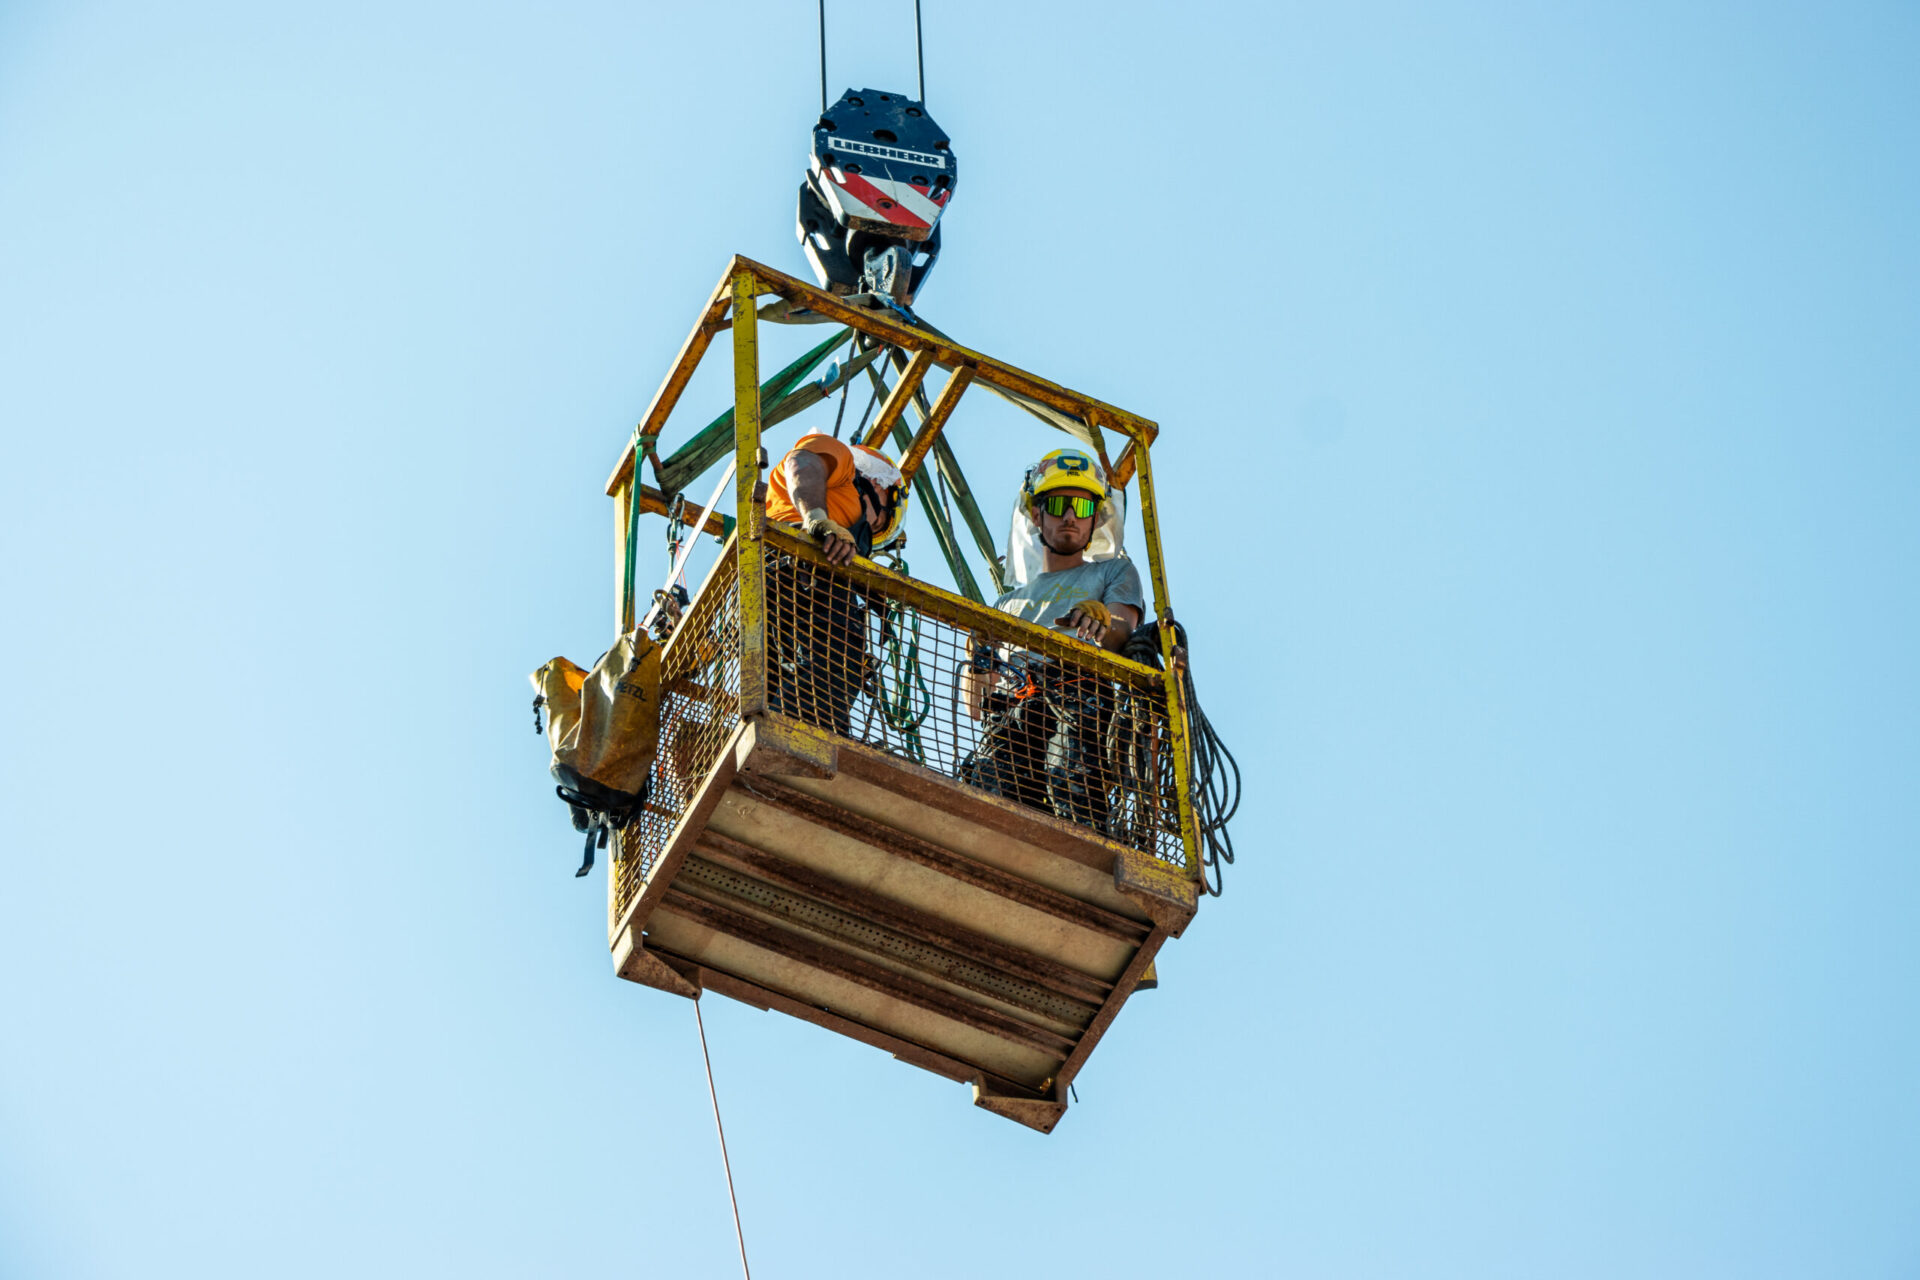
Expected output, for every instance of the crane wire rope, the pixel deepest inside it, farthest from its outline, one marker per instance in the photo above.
(859, 432)
(720, 1129)
(840, 414)
(680, 561)
(919, 55)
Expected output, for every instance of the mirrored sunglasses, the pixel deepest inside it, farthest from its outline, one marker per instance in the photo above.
(1056, 504)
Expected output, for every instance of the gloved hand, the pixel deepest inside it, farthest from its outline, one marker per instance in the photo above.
(1089, 612)
(833, 536)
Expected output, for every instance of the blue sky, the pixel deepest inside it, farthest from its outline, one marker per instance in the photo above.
(1539, 410)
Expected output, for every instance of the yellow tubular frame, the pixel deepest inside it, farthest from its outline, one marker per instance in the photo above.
(749, 496)
(1176, 706)
(744, 282)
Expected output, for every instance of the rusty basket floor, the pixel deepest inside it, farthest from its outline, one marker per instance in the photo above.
(856, 890)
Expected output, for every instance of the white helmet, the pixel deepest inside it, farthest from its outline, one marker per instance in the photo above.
(877, 469)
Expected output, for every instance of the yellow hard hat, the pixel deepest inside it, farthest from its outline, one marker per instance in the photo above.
(1065, 469)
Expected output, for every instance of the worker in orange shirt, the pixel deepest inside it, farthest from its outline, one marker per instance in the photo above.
(848, 497)
(852, 500)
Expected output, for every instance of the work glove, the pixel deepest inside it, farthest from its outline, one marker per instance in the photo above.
(1089, 611)
(817, 524)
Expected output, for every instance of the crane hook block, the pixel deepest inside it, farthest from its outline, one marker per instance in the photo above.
(879, 177)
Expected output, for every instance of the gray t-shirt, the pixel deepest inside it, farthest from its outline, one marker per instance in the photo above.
(1048, 597)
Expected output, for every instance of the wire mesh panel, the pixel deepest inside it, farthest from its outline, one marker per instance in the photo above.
(699, 707)
(1041, 719)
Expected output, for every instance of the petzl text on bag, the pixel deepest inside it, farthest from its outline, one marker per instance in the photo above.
(604, 727)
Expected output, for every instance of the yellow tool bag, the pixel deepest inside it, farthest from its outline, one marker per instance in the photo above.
(604, 727)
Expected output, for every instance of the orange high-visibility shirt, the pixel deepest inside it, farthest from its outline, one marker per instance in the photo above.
(843, 500)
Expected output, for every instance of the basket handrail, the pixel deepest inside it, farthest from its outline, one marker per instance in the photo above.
(938, 603)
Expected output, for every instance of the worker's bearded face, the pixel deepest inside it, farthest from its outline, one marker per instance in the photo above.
(874, 517)
(876, 513)
(1067, 534)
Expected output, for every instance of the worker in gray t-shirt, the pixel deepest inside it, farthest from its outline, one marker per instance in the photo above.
(1041, 745)
(1065, 501)
(1050, 596)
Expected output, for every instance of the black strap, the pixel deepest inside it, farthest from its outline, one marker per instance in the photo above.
(600, 822)
(586, 864)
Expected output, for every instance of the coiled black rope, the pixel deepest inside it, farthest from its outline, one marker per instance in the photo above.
(1213, 775)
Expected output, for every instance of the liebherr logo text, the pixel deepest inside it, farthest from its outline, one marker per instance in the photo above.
(847, 146)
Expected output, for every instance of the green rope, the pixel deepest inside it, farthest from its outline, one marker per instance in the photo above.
(904, 697)
(629, 569)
